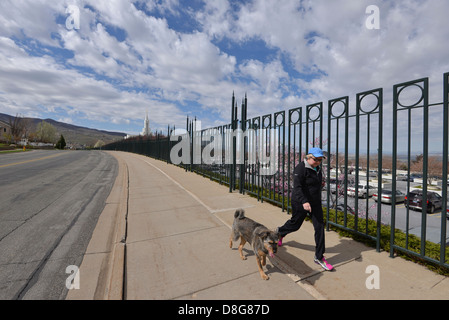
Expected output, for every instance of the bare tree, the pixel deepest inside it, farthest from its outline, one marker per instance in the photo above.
(17, 127)
(434, 167)
(27, 127)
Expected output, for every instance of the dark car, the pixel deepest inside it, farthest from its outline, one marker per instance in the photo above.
(414, 176)
(415, 197)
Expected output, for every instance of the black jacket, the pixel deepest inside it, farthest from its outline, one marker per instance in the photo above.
(307, 184)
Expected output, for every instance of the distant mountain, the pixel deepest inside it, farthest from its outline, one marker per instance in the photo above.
(73, 135)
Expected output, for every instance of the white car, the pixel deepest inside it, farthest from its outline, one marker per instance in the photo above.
(364, 191)
(387, 196)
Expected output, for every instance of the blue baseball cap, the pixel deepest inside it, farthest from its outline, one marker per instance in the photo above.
(316, 152)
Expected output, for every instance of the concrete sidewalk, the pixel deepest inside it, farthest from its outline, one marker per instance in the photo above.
(164, 234)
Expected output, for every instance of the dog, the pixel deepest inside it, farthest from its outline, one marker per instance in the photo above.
(262, 240)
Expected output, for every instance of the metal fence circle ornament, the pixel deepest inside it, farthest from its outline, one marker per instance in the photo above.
(266, 121)
(335, 106)
(409, 89)
(314, 113)
(295, 116)
(370, 105)
(279, 118)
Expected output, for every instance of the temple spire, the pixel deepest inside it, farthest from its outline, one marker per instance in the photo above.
(146, 126)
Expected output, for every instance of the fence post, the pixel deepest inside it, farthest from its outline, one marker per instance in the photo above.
(281, 151)
(423, 85)
(378, 108)
(337, 117)
(445, 159)
(290, 167)
(243, 147)
(233, 144)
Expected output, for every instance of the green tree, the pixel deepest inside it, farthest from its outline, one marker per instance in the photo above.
(61, 143)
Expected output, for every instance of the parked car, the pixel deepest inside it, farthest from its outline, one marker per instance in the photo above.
(387, 196)
(364, 191)
(414, 200)
(414, 176)
(336, 186)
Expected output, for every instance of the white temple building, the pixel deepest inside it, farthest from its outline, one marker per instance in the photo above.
(145, 131)
(146, 126)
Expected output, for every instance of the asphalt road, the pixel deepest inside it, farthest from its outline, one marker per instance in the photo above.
(49, 205)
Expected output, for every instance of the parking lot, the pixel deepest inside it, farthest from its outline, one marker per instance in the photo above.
(405, 218)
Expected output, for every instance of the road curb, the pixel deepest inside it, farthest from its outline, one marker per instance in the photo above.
(102, 270)
(116, 276)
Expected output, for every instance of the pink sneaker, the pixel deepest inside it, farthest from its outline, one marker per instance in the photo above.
(323, 262)
(280, 242)
(280, 238)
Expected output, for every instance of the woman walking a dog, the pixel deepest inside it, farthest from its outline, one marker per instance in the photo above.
(306, 199)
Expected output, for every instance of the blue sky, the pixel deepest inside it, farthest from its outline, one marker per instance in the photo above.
(176, 58)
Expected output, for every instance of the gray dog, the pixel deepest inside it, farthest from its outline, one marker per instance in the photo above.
(262, 240)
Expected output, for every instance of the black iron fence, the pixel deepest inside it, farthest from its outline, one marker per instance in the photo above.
(373, 153)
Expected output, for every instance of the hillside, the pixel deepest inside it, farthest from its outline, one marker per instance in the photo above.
(73, 135)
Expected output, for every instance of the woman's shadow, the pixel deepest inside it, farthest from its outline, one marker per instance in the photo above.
(347, 250)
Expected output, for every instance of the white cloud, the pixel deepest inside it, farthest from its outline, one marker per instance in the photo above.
(39, 84)
(177, 72)
(34, 19)
(331, 37)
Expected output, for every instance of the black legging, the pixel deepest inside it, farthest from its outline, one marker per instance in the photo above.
(295, 222)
